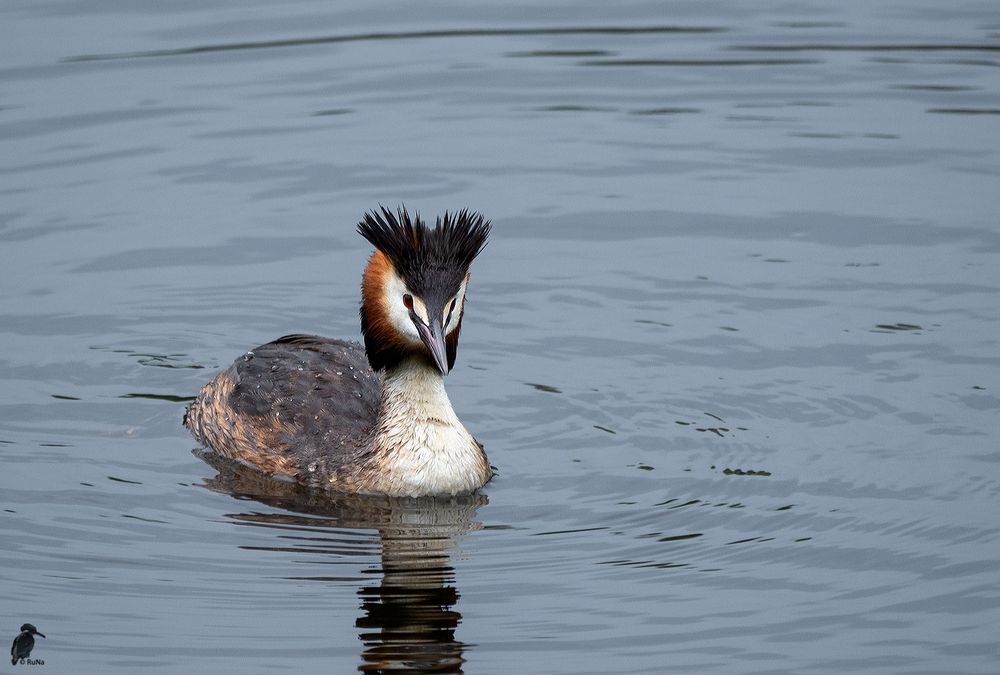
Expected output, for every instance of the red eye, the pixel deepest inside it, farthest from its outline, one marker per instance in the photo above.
(408, 300)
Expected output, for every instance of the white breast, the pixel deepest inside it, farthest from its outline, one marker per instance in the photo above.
(426, 447)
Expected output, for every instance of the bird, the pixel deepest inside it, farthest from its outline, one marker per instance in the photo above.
(331, 414)
(23, 643)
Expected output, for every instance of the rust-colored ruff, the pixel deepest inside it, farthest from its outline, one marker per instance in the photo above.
(384, 345)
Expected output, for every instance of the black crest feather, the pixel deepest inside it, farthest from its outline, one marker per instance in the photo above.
(427, 258)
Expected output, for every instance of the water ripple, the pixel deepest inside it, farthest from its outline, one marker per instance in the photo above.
(399, 35)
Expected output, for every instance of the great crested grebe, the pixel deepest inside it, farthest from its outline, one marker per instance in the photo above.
(315, 410)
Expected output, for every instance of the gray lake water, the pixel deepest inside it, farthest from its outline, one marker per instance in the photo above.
(734, 347)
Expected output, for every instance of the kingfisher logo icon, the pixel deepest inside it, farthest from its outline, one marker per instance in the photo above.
(20, 651)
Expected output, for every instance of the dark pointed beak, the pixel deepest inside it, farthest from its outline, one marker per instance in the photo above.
(433, 337)
(37, 633)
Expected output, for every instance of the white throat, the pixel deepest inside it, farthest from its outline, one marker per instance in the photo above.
(426, 447)
(415, 390)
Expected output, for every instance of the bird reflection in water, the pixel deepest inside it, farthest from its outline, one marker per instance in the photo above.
(408, 622)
